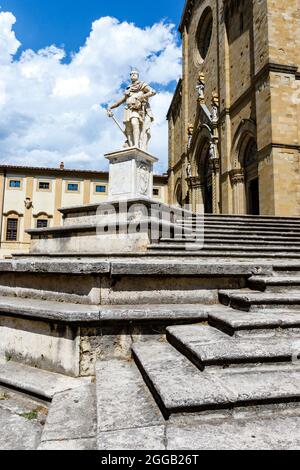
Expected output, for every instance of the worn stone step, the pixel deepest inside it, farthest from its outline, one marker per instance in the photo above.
(127, 415)
(241, 242)
(178, 386)
(273, 427)
(245, 218)
(274, 283)
(205, 346)
(220, 247)
(37, 382)
(71, 422)
(191, 251)
(251, 301)
(72, 313)
(241, 224)
(234, 321)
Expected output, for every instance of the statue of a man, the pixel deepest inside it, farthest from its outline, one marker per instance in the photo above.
(138, 115)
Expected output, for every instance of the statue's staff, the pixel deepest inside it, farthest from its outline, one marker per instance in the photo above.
(111, 115)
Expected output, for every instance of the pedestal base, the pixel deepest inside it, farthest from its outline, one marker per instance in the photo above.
(130, 174)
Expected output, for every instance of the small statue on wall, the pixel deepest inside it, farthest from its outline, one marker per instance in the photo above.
(28, 203)
(201, 88)
(189, 173)
(190, 131)
(215, 108)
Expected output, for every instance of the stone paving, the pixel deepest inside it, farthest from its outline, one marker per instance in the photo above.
(21, 420)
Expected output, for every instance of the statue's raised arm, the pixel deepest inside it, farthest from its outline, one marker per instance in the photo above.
(138, 115)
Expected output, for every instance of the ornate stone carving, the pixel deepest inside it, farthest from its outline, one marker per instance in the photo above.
(215, 108)
(190, 131)
(143, 178)
(237, 176)
(201, 88)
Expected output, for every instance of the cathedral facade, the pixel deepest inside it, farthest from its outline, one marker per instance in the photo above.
(234, 122)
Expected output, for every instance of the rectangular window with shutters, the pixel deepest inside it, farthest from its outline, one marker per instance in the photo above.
(100, 189)
(44, 186)
(42, 223)
(12, 230)
(73, 187)
(15, 184)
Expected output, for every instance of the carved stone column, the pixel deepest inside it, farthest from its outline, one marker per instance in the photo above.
(239, 195)
(196, 192)
(216, 185)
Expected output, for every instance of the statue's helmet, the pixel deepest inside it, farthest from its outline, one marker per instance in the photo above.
(134, 72)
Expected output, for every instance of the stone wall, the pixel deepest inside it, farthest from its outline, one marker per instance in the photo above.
(251, 64)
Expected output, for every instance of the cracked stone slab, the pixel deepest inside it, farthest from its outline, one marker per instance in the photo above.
(55, 266)
(149, 438)
(123, 399)
(76, 444)
(255, 300)
(49, 310)
(262, 383)
(276, 430)
(72, 415)
(154, 312)
(206, 346)
(188, 268)
(179, 386)
(18, 433)
(175, 382)
(238, 321)
(37, 381)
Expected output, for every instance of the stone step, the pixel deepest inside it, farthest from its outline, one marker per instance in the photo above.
(274, 283)
(240, 247)
(233, 228)
(127, 415)
(205, 346)
(72, 313)
(37, 382)
(246, 218)
(233, 241)
(71, 422)
(179, 387)
(252, 301)
(284, 269)
(209, 232)
(162, 251)
(237, 223)
(273, 427)
(234, 322)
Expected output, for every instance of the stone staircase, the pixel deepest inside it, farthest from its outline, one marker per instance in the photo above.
(234, 236)
(166, 350)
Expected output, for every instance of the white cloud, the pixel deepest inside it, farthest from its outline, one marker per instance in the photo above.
(52, 111)
(8, 41)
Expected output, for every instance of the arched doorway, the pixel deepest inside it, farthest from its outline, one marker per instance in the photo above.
(250, 165)
(206, 177)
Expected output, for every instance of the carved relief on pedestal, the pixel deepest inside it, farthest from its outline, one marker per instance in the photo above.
(143, 178)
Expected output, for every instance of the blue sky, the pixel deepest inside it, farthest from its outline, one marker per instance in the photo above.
(63, 61)
(68, 22)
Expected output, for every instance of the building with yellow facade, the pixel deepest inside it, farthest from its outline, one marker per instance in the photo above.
(234, 122)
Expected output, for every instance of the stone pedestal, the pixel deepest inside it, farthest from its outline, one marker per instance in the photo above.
(130, 174)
